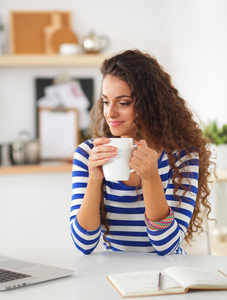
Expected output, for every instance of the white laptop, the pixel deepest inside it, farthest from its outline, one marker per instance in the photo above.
(15, 273)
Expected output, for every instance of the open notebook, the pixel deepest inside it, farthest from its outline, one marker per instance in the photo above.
(174, 280)
(16, 273)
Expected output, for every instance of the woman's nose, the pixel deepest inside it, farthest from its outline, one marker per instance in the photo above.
(112, 111)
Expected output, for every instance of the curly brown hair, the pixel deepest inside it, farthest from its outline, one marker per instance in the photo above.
(165, 114)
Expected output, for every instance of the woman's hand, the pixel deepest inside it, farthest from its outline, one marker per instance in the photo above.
(99, 155)
(145, 161)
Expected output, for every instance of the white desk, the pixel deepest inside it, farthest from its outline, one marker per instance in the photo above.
(89, 281)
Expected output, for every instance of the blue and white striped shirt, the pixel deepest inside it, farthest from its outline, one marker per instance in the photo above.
(125, 209)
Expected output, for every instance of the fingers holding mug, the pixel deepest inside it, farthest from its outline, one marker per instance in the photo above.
(101, 152)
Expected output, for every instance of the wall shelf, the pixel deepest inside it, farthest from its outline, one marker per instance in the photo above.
(19, 60)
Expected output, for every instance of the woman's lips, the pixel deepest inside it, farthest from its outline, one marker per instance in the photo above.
(115, 123)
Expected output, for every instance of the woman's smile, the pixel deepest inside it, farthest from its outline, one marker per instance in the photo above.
(115, 123)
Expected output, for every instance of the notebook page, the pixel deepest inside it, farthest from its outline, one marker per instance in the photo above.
(197, 277)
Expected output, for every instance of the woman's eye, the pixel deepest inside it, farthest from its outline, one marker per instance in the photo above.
(124, 103)
(105, 102)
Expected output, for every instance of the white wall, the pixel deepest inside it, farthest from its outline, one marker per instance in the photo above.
(187, 36)
(197, 43)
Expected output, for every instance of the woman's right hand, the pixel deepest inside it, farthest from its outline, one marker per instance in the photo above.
(99, 155)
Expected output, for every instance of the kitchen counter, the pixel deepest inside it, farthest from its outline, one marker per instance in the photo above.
(43, 167)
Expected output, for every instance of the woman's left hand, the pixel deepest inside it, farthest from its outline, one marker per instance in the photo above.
(145, 161)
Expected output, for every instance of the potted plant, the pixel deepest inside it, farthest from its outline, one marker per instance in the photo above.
(218, 136)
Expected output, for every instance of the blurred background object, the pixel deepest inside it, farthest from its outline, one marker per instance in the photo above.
(35, 32)
(93, 43)
(2, 37)
(24, 150)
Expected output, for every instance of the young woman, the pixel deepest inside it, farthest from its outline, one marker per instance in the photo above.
(161, 203)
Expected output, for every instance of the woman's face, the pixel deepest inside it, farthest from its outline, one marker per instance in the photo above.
(118, 106)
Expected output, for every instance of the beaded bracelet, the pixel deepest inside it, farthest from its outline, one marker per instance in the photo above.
(161, 224)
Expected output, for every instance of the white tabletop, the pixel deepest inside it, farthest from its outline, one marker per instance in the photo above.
(89, 279)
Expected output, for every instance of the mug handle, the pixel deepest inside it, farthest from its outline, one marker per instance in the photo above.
(133, 147)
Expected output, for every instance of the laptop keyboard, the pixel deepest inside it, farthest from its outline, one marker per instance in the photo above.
(6, 275)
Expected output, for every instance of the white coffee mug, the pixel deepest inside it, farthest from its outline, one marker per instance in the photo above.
(117, 168)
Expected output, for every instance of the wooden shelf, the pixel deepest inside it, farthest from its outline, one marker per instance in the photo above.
(44, 167)
(19, 60)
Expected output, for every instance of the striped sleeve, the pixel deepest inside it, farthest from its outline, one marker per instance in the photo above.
(167, 240)
(86, 241)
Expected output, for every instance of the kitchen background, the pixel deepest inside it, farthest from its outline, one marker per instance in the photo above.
(188, 37)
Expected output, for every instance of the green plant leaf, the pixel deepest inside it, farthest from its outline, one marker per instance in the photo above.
(215, 134)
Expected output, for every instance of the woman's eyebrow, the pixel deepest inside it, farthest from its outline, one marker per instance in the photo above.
(123, 96)
(119, 97)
